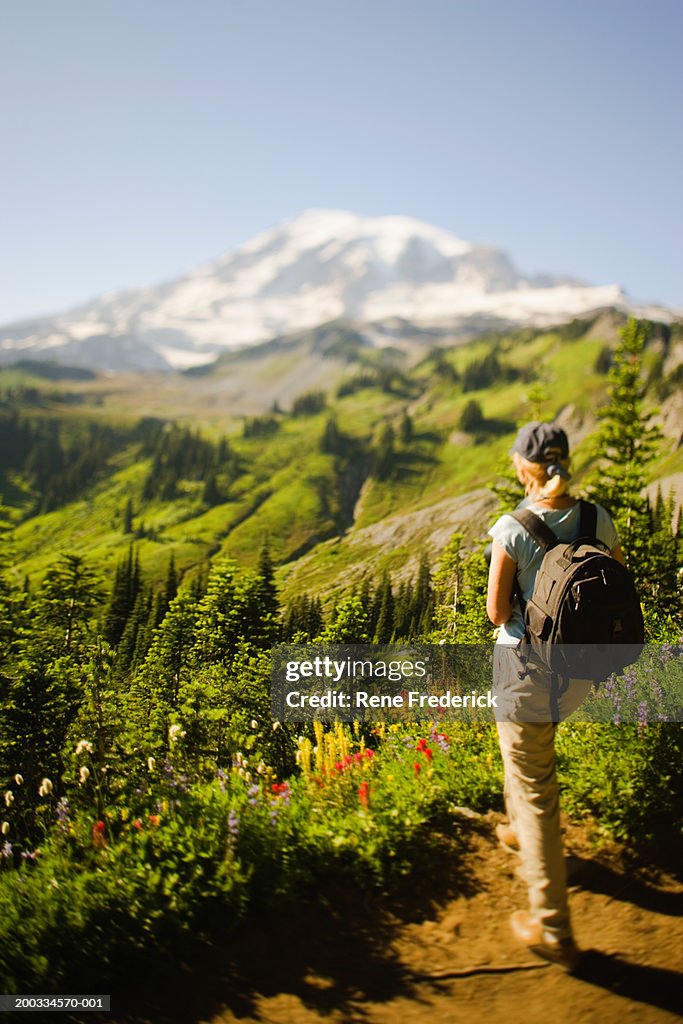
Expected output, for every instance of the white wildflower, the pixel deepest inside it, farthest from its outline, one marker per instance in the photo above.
(45, 788)
(261, 768)
(4, 828)
(85, 774)
(83, 746)
(247, 777)
(254, 723)
(276, 726)
(9, 798)
(175, 733)
(238, 758)
(18, 779)
(151, 763)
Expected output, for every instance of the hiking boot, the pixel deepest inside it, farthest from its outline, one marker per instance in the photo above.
(529, 932)
(507, 838)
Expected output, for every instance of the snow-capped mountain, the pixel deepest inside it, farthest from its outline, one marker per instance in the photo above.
(323, 265)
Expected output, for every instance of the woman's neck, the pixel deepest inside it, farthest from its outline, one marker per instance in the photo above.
(559, 501)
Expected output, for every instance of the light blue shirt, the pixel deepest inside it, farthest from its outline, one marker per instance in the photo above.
(523, 549)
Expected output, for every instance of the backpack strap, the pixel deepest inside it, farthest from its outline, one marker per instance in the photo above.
(588, 519)
(536, 528)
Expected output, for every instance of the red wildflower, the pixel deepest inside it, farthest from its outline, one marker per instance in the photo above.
(98, 840)
(339, 766)
(154, 819)
(421, 745)
(364, 793)
(358, 757)
(348, 759)
(369, 754)
(427, 753)
(417, 768)
(137, 824)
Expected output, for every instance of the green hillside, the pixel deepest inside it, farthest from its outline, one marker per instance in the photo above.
(345, 482)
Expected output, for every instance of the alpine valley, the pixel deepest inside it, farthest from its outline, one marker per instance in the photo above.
(342, 388)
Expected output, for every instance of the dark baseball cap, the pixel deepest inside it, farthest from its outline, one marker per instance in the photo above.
(541, 442)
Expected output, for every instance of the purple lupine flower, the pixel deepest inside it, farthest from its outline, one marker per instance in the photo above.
(274, 814)
(253, 793)
(440, 739)
(233, 824)
(63, 815)
(610, 688)
(6, 850)
(631, 682)
(222, 777)
(642, 716)
(666, 652)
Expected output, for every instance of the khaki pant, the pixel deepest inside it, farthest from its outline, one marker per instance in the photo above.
(527, 744)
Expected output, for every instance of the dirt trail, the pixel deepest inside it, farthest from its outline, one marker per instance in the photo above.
(438, 949)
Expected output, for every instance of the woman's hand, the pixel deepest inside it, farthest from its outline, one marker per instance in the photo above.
(501, 582)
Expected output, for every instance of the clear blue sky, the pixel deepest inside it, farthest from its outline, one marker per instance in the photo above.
(143, 137)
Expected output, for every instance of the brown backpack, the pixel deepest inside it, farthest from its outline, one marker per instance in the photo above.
(583, 619)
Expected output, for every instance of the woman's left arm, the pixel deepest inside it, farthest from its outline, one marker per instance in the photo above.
(501, 582)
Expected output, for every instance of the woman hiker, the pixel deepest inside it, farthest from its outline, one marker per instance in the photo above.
(526, 728)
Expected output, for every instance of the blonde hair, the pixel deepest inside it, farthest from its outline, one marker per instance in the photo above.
(542, 485)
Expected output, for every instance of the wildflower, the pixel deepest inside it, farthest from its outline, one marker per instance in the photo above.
(98, 839)
(369, 754)
(4, 828)
(6, 850)
(154, 819)
(427, 753)
(254, 723)
(276, 726)
(642, 716)
(9, 798)
(84, 774)
(175, 733)
(421, 745)
(233, 824)
(261, 768)
(18, 779)
(348, 760)
(238, 759)
(417, 768)
(151, 763)
(137, 824)
(63, 818)
(358, 757)
(282, 791)
(364, 793)
(83, 746)
(33, 855)
(45, 788)
(339, 766)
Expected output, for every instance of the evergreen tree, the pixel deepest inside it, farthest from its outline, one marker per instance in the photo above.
(384, 601)
(405, 430)
(624, 448)
(69, 595)
(128, 517)
(384, 455)
(472, 417)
